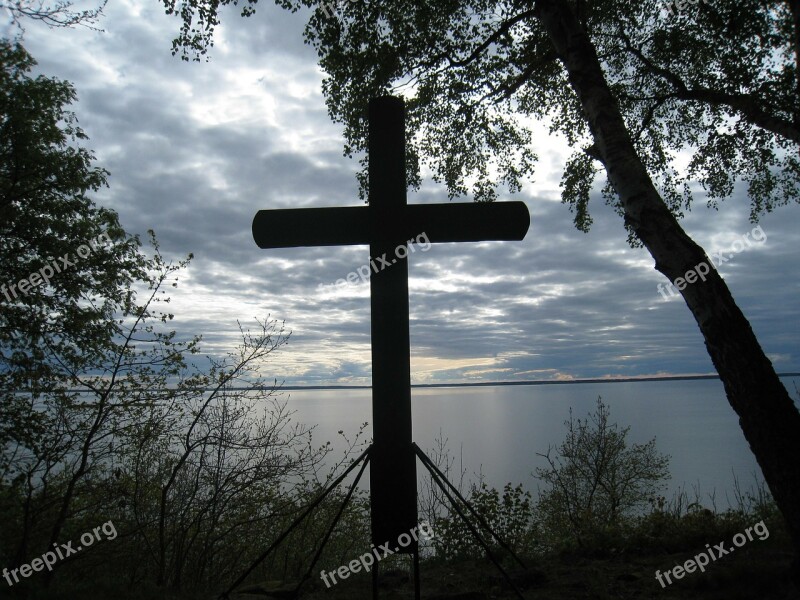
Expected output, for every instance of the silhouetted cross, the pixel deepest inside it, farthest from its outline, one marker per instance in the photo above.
(386, 223)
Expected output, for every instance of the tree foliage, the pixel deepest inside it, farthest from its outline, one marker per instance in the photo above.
(46, 177)
(719, 82)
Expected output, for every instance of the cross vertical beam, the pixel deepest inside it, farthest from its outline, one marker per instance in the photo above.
(393, 476)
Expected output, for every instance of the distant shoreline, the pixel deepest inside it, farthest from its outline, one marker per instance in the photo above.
(300, 388)
(527, 382)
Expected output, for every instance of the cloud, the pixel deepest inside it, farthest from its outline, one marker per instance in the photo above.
(195, 150)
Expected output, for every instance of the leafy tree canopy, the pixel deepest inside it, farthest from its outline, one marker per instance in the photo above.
(66, 265)
(718, 80)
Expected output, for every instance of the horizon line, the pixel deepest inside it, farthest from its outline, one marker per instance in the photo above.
(462, 384)
(525, 382)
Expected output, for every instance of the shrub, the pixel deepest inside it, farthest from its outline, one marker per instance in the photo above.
(594, 480)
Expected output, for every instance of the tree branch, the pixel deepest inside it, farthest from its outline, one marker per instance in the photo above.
(749, 106)
(504, 28)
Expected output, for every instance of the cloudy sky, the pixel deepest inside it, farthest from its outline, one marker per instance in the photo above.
(195, 149)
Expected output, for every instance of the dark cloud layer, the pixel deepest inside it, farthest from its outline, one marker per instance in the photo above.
(196, 149)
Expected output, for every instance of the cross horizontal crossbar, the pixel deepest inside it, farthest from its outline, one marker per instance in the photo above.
(347, 226)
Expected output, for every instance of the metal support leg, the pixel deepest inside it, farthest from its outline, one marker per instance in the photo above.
(470, 526)
(364, 456)
(375, 581)
(416, 575)
(431, 466)
(333, 526)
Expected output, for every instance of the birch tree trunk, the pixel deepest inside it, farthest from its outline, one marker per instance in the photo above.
(768, 417)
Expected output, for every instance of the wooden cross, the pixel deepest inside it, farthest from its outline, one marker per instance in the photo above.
(386, 224)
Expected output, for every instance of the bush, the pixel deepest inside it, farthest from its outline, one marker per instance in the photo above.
(510, 516)
(595, 481)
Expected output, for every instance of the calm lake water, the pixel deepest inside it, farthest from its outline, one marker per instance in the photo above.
(499, 430)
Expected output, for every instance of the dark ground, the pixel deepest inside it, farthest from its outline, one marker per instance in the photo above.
(752, 573)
